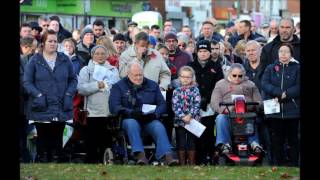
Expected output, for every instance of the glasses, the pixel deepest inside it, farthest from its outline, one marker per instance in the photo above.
(100, 54)
(171, 41)
(235, 75)
(186, 77)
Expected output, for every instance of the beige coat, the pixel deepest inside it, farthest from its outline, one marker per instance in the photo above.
(154, 67)
(224, 89)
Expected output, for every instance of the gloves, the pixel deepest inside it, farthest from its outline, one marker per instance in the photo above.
(203, 104)
(137, 115)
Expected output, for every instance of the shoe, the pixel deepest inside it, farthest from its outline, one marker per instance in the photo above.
(257, 149)
(170, 161)
(225, 149)
(141, 159)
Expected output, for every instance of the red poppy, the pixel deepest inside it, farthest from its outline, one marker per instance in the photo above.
(173, 70)
(276, 68)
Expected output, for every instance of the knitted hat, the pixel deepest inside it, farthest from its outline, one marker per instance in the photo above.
(152, 40)
(170, 35)
(93, 50)
(119, 37)
(85, 31)
(204, 44)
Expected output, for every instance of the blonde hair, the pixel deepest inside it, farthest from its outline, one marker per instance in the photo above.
(189, 69)
(107, 43)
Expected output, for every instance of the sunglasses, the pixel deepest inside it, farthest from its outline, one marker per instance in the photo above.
(235, 75)
(182, 45)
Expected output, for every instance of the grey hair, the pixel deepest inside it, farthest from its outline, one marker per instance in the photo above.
(190, 69)
(93, 50)
(133, 63)
(236, 66)
(254, 42)
(287, 19)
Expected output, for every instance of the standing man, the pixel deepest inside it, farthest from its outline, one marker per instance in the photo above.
(98, 29)
(154, 67)
(119, 42)
(208, 32)
(286, 35)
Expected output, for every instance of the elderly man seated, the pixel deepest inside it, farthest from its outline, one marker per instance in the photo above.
(127, 98)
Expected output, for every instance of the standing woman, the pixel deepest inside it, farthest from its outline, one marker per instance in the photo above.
(97, 92)
(51, 83)
(281, 81)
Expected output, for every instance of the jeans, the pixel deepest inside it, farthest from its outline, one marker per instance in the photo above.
(154, 128)
(223, 131)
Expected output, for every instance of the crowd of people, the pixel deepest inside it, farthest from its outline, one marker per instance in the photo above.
(119, 72)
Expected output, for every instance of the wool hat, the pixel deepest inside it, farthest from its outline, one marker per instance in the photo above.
(35, 25)
(132, 23)
(93, 50)
(204, 44)
(85, 31)
(170, 35)
(230, 24)
(152, 40)
(119, 37)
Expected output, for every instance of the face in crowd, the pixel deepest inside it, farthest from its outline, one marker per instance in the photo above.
(135, 74)
(171, 44)
(100, 55)
(98, 30)
(236, 76)
(286, 30)
(54, 25)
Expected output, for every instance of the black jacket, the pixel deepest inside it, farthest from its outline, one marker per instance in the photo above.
(207, 77)
(270, 51)
(254, 75)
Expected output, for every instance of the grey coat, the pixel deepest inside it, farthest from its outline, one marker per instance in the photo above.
(96, 100)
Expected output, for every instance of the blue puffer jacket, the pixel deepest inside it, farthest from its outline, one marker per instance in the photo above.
(123, 96)
(57, 87)
(278, 78)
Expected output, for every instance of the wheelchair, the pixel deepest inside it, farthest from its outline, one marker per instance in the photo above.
(242, 125)
(121, 150)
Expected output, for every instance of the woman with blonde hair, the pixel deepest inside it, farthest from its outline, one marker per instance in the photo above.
(112, 55)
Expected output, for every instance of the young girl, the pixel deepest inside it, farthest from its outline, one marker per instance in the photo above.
(186, 106)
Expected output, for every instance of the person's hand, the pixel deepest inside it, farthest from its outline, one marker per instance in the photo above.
(283, 96)
(186, 119)
(100, 84)
(149, 117)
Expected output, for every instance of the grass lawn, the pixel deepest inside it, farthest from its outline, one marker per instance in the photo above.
(100, 171)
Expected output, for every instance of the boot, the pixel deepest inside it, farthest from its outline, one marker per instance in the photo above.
(141, 159)
(191, 157)
(170, 161)
(182, 157)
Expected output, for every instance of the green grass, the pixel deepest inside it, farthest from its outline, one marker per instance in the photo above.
(122, 172)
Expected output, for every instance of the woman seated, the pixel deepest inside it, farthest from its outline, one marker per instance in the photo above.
(235, 83)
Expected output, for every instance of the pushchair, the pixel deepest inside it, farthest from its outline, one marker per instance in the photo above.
(242, 125)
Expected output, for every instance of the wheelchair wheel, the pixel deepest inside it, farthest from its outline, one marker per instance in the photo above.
(108, 156)
(222, 161)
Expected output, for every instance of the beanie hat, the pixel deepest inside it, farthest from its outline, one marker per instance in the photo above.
(119, 37)
(85, 31)
(230, 24)
(170, 35)
(93, 50)
(204, 44)
(152, 40)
